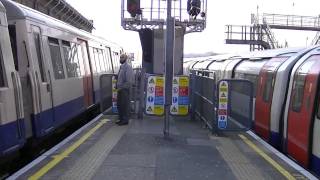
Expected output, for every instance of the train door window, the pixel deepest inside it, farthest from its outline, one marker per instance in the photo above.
(299, 83)
(268, 87)
(71, 59)
(56, 58)
(13, 40)
(106, 60)
(102, 60)
(318, 113)
(93, 63)
(37, 42)
(82, 59)
(2, 84)
(109, 58)
(96, 60)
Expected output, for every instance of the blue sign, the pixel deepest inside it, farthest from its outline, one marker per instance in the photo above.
(183, 100)
(150, 99)
(159, 100)
(222, 122)
(174, 99)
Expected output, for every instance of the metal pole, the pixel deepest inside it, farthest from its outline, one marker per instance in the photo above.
(168, 67)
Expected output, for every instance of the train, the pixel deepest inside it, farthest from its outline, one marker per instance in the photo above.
(286, 111)
(50, 74)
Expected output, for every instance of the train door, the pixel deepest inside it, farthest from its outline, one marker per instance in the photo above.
(12, 127)
(300, 115)
(264, 99)
(87, 78)
(44, 120)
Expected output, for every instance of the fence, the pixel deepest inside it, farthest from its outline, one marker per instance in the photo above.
(225, 105)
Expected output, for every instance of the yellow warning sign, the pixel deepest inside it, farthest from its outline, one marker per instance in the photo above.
(174, 109)
(223, 100)
(158, 110)
(151, 81)
(159, 81)
(149, 109)
(223, 89)
(184, 81)
(183, 110)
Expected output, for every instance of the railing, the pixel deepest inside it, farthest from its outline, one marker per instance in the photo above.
(288, 20)
(154, 13)
(210, 100)
(202, 98)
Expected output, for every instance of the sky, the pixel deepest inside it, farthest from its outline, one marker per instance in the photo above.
(106, 15)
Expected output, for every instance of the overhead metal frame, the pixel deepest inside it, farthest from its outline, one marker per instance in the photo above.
(154, 13)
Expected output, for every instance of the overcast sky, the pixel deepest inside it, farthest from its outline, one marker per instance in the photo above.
(107, 21)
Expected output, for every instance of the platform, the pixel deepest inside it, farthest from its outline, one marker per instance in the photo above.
(104, 150)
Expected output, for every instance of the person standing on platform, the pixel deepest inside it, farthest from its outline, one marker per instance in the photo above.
(124, 83)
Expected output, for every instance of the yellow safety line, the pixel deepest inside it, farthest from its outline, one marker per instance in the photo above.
(58, 158)
(284, 172)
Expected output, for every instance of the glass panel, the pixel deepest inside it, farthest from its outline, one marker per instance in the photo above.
(37, 42)
(299, 83)
(13, 40)
(1, 69)
(56, 58)
(102, 60)
(96, 60)
(81, 59)
(268, 87)
(71, 59)
(93, 64)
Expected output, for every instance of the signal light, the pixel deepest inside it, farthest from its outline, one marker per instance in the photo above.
(133, 7)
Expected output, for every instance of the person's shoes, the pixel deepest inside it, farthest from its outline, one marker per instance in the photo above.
(122, 123)
(117, 121)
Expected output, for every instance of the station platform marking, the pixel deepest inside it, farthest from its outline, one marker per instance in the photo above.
(290, 162)
(276, 165)
(58, 158)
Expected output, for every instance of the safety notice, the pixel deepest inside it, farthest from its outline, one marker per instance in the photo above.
(114, 95)
(223, 105)
(155, 95)
(180, 96)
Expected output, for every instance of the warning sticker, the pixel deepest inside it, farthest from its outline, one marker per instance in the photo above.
(114, 95)
(180, 96)
(155, 95)
(223, 105)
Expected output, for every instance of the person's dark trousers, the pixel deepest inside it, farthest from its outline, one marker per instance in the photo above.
(123, 103)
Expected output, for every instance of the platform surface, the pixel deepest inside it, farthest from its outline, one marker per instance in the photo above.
(138, 151)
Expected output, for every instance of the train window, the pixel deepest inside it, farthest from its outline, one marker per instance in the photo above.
(13, 40)
(299, 83)
(268, 87)
(101, 60)
(243, 89)
(96, 60)
(71, 59)
(93, 63)
(37, 42)
(56, 58)
(109, 59)
(318, 113)
(82, 59)
(1, 69)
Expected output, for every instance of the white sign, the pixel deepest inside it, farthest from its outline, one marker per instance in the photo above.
(223, 105)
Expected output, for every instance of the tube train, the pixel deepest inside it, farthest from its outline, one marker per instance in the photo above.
(286, 96)
(49, 74)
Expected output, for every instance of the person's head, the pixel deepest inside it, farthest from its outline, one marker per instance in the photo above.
(123, 58)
